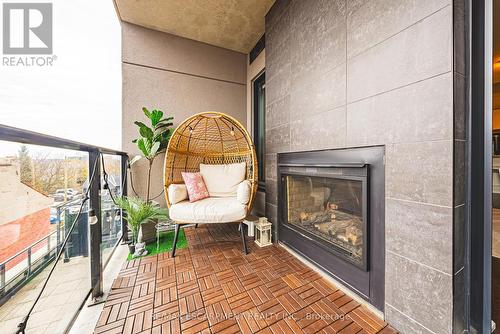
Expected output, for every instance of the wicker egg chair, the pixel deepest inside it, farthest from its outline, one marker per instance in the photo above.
(209, 138)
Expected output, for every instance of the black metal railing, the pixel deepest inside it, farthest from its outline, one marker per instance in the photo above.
(34, 258)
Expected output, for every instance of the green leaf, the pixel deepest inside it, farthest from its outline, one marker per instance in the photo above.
(144, 130)
(156, 116)
(155, 148)
(142, 146)
(139, 124)
(146, 112)
(163, 125)
(135, 159)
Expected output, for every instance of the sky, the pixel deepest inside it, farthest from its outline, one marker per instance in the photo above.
(79, 97)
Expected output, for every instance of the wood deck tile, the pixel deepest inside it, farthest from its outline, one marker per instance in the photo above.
(211, 287)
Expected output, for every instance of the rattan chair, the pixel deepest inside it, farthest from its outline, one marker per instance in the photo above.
(209, 138)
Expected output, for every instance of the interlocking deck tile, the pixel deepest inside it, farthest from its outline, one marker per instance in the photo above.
(232, 288)
(213, 295)
(260, 294)
(211, 287)
(240, 302)
(292, 302)
(217, 312)
(251, 321)
(272, 311)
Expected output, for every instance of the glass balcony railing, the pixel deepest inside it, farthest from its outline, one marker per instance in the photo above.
(44, 183)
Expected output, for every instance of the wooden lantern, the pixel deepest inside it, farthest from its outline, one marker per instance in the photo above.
(263, 232)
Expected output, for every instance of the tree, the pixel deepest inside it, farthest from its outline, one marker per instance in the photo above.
(25, 165)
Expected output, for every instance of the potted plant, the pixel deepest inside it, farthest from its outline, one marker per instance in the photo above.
(152, 141)
(139, 212)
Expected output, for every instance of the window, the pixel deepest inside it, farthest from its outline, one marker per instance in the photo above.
(259, 124)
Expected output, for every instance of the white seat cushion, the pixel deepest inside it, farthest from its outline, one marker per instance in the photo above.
(208, 210)
(244, 191)
(223, 180)
(177, 193)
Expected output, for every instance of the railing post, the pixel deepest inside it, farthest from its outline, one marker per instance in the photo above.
(58, 230)
(2, 279)
(48, 243)
(124, 160)
(95, 230)
(29, 262)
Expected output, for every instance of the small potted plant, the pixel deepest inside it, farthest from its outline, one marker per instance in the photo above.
(139, 212)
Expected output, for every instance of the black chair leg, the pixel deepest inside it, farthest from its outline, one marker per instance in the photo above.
(177, 228)
(195, 225)
(242, 232)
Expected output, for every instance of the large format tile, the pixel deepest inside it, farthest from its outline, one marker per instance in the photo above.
(427, 297)
(271, 167)
(420, 232)
(318, 36)
(419, 52)
(318, 93)
(460, 169)
(459, 308)
(378, 20)
(274, 24)
(355, 5)
(418, 112)
(421, 172)
(460, 36)
(321, 131)
(278, 61)
(278, 139)
(461, 98)
(402, 323)
(278, 112)
(278, 86)
(458, 238)
(272, 191)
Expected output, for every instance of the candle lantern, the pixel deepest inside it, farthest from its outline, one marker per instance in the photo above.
(263, 232)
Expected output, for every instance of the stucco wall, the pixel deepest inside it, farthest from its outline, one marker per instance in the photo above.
(181, 77)
(376, 72)
(18, 200)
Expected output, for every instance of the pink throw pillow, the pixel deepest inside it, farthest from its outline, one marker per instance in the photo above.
(195, 186)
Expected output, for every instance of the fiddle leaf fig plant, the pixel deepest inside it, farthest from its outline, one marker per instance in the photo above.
(153, 139)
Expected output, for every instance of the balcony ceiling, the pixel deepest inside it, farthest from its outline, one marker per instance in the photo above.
(232, 24)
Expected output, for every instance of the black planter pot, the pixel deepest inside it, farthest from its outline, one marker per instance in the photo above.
(131, 248)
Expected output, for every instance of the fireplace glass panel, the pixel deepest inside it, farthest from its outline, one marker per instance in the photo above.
(331, 209)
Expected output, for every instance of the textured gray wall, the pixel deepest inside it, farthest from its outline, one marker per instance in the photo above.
(346, 73)
(179, 76)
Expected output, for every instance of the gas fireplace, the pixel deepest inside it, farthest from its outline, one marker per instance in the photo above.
(331, 211)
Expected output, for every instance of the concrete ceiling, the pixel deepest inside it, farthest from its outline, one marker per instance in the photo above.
(232, 24)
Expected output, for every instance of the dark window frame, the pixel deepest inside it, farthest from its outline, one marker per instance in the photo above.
(259, 125)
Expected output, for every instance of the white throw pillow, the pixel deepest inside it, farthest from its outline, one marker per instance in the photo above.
(243, 192)
(177, 193)
(223, 180)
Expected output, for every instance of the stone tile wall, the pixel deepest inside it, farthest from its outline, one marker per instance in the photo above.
(347, 73)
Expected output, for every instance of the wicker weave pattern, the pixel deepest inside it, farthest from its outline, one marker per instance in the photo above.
(210, 138)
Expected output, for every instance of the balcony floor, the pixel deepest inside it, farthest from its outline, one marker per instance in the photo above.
(211, 287)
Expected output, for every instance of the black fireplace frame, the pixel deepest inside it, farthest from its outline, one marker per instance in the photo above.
(369, 284)
(344, 176)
